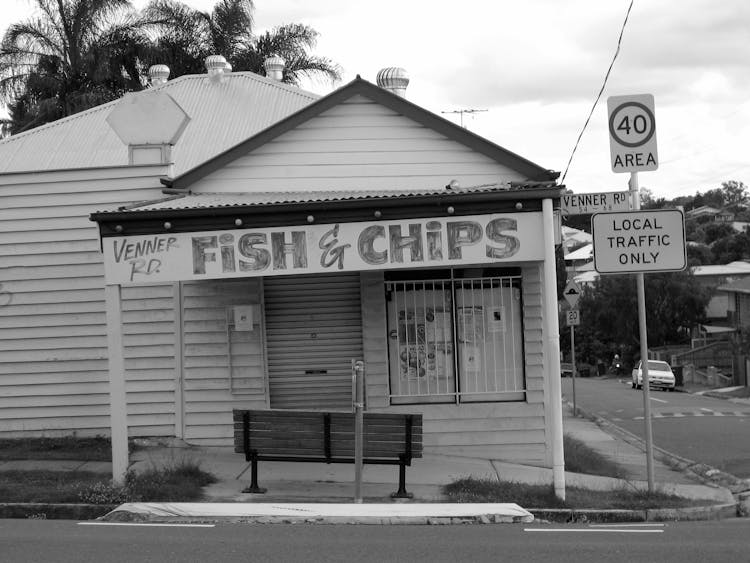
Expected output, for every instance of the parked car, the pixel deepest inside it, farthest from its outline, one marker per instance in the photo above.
(566, 369)
(659, 376)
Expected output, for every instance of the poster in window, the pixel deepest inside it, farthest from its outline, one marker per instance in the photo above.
(470, 325)
(496, 321)
(472, 360)
(425, 349)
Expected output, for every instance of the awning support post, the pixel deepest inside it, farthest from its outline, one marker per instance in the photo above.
(117, 397)
(552, 349)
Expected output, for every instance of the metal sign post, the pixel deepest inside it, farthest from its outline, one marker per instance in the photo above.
(644, 350)
(358, 404)
(572, 294)
(573, 366)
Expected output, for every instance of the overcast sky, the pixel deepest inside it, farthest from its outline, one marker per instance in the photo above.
(536, 67)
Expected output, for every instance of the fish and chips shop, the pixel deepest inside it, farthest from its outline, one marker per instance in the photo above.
(355, 226)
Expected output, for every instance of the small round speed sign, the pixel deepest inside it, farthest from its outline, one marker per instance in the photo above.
(632, 124)
(632, 133)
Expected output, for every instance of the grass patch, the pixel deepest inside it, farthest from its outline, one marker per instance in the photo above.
(581, 458)
(178, 482)
(472, 489)
(97, 448)
(47, 486)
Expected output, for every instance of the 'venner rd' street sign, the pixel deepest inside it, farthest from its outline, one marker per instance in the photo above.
(583, 204)
(632, 133)
(639, 241)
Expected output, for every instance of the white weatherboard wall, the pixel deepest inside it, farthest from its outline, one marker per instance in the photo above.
(215, 355)
(53, 346)
(358, 144)
(511, 431)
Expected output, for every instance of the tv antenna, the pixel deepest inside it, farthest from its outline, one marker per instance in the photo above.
(461, 112)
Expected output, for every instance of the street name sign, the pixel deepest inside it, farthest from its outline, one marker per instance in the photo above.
(639, 241)
(584, 204)
(632, 133)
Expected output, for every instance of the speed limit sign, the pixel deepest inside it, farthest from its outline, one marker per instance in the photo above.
(574, 317)
(632, 133)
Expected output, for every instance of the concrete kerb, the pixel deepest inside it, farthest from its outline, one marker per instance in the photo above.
(701, 472)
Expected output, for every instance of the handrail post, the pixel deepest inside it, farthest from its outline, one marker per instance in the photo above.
(358, 372)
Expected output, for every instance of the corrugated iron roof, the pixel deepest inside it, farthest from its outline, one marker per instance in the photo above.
(739, 286)
(218, 200)
(221, 116)
(733, 268)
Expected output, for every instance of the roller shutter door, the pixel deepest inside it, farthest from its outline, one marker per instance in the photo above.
(313, 331)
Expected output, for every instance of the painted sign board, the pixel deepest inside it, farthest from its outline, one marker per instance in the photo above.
(572, 293)
(573, 317)
(639, 241)
(305, 249)
(584, 204)
(632, 133)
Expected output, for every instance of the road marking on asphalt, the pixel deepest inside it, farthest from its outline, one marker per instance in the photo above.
(658, 400)
(145, 525)
(712, 414)
(606, 530)
(631, 525)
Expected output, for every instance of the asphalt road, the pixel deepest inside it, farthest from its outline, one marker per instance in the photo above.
(67, 541)
(703, 429)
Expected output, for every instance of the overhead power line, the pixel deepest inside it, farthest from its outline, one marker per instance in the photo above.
(604, 84)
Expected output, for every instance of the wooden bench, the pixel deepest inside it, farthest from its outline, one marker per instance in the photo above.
(314, 436)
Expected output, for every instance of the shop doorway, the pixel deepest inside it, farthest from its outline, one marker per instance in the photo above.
(313, 331)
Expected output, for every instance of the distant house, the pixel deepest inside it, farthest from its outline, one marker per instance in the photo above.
(737, 295)
(724, 216)
(702, 211)
(574, 238)
(715, 214)
(578, 251)
(716, 276)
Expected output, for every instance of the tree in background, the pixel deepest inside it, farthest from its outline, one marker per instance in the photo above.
(185, 37)
(74, 55)
(77, 54)
(735, 193)
(675, 302)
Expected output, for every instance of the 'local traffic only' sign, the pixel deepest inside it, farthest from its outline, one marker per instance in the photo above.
(639, 241)
(632, 133)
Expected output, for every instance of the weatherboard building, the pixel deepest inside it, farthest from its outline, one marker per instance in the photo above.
(228, 241)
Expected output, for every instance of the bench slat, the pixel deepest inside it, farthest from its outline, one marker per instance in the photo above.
(301, 434)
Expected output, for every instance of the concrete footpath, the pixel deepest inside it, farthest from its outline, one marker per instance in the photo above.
(316, 492)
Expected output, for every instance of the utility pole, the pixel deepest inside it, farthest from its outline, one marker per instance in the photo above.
(461, 112)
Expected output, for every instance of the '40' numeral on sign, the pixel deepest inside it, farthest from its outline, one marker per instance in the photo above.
(640, 125)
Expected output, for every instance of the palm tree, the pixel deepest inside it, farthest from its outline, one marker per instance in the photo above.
(74, 55)
(185, 37)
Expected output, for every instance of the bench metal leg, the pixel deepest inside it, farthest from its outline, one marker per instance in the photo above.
(401, 493)
(254, 488)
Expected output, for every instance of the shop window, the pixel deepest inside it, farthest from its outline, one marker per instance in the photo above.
(455, 339)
